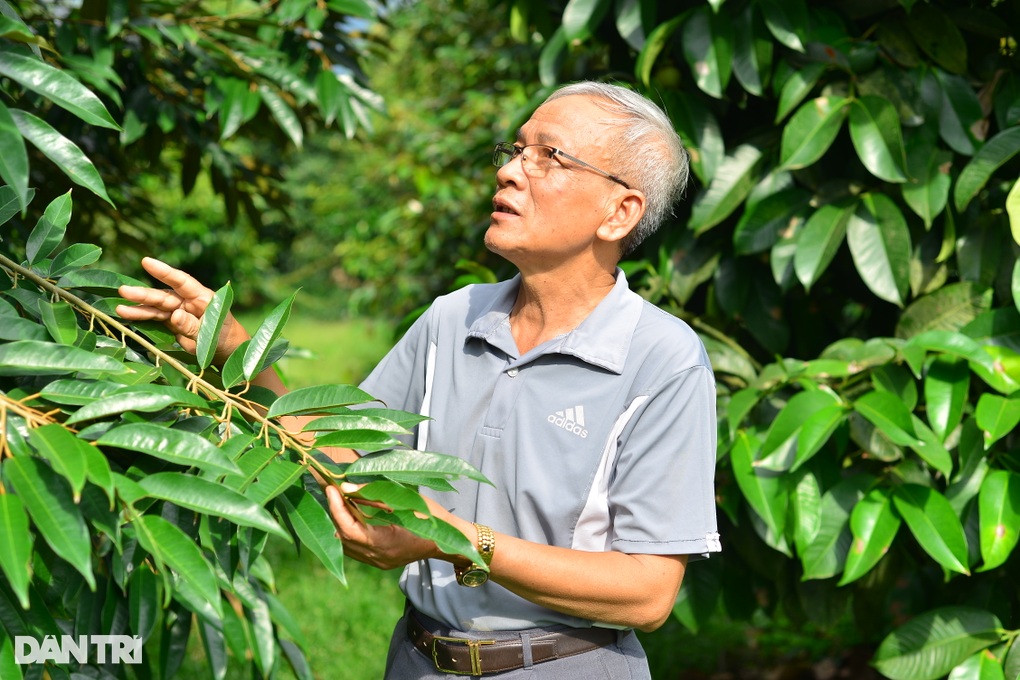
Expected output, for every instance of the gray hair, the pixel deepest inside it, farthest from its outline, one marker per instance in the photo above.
(648, 151)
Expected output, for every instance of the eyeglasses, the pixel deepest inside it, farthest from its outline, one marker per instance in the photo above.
(537, 159)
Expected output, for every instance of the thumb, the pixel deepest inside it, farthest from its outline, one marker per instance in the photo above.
(185, 326)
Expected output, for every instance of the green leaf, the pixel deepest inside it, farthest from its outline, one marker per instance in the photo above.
(764, 221)
(958, 109)
(700, 131)
(887, 412)
(1013, 210)
(997, 416)
(394, 496)
(989, 158)
(879, 241)
(64, 153)
(930, 448)
(765, 492)
(946, 385)
(361, 440)
(752, 58)
(216, 313)
(654, 45)
(877, 137)
(780, 446)
(176, 446)
(826, 554)
(143, 601)
(356, 8)
(143, 398)
(78, 392)
(811, 131)
(98, 281)
(938, 36)
(816, 431)
(999, 514)
(933, 643)
(796, 87)
(446, 537)
(60, 320)
(13, 159)
(948, 308)
(210, 498)
(170, 546)
(820, 239)
(787, 20)
(317, 399)
(934, 524)
(552, 56)
(582, 17)
(255, 357)
(49, 230)
(356, 420)
(15, 546)
(10, 203)
(873, 524)
(31, 357)
(66, 453)
(273, 480)
(733, 181)
(57, 86)
(707, 43)
(927, 190)
(283, 114)
(981, 666)
(409, 466)
(314, 528)
(58, 521)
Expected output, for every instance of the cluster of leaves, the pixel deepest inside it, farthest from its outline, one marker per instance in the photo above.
(850, 259)
(139, 485)
(199, 89)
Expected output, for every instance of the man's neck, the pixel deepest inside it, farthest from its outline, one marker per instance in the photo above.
(549, 305)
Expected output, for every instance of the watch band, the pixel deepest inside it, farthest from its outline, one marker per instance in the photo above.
(486, 542)
(474, 575)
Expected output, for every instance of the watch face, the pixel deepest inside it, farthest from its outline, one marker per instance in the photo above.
(473, 578)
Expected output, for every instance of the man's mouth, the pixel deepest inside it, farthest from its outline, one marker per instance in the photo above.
(501, 207)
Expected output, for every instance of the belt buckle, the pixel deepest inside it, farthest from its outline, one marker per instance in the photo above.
(473, 653)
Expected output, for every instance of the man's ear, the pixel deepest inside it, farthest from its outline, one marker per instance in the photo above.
(626, 210)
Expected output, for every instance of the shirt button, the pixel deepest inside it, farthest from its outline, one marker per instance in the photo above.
(512, 372)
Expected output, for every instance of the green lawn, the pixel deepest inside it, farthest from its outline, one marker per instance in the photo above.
(347, 629)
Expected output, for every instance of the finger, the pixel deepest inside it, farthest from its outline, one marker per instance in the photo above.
(133, 313)
(151, 297)
(346, 524)
(183, 283)
(184, 324)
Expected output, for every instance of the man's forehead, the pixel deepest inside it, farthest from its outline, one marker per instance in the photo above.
(557, 122)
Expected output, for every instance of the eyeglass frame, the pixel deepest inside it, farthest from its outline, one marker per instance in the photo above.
(511, 149)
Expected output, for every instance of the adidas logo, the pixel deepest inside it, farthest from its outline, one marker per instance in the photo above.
(571, 420)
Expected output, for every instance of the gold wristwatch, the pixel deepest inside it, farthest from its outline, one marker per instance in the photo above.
(474, 576)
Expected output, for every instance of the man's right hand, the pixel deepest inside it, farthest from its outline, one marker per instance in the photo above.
(180, 308)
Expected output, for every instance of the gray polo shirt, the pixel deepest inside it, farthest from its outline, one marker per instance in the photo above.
(600, 439)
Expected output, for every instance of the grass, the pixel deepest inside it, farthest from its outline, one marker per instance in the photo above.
(347, 629)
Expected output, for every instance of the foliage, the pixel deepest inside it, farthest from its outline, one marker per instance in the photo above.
(850, 259)
(400, 206)
(203, 92)
(138, 486)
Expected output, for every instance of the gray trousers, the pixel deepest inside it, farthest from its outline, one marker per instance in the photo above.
(624, 660)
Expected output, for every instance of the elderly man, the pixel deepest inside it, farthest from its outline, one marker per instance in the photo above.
(592, 411)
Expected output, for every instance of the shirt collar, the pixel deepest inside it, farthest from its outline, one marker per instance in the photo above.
(602, 339)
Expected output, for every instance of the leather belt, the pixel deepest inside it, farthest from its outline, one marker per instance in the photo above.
(473, 656)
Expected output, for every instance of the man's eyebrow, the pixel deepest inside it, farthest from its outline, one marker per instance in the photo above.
(543, 138)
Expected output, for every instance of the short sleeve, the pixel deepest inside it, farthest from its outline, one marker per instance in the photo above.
(662, 495)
